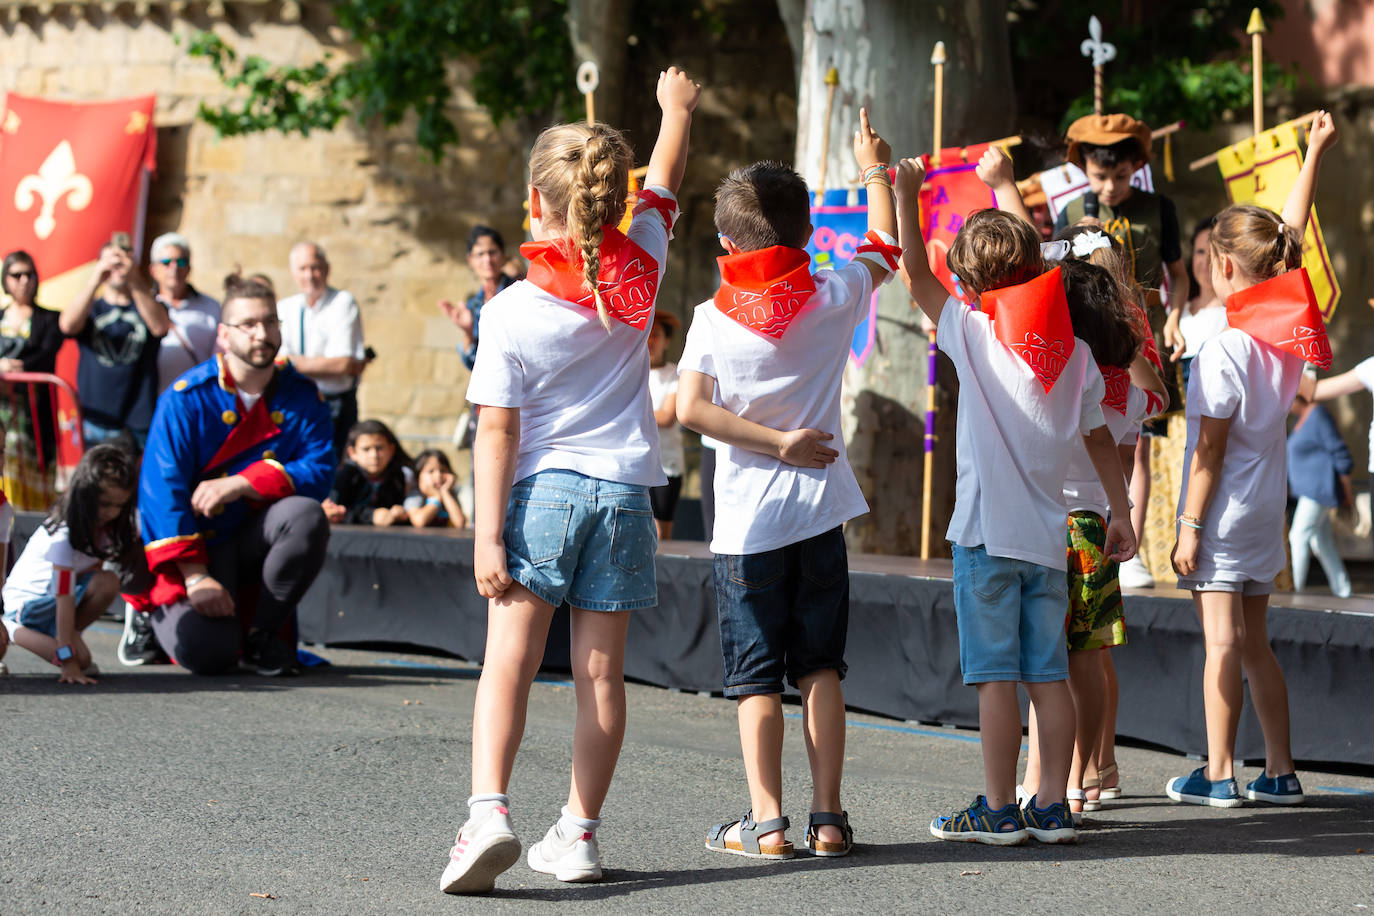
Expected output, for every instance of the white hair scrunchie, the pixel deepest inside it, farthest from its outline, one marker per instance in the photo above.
(1085, 243)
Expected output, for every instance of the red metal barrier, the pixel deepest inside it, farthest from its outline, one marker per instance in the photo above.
(35, 470)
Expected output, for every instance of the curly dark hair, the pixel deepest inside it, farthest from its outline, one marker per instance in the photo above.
(1104, 321)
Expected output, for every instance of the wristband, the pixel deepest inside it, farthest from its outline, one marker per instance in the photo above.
(433, 501)
(1190, 521)
(192, 580)
(875, 169)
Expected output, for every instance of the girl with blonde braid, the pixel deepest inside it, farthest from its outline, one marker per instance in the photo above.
(566, 451)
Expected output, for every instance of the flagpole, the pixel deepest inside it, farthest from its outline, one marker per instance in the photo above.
(937, 60)
(1213, 157)
(832, 82)
(1256, 30)
(588, 78)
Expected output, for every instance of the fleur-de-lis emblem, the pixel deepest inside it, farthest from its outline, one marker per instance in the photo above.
(57, 178)
(1100, 51)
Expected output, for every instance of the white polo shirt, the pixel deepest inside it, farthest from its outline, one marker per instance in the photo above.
(332, 327)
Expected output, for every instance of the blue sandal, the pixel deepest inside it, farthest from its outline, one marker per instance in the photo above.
(817, 846)
(748, 844)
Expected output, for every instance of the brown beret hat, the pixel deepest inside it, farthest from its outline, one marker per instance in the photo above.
(1104, 130)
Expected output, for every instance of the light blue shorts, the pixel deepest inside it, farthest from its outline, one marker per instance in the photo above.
(1011, 617)
(40, 614)
(586, 541)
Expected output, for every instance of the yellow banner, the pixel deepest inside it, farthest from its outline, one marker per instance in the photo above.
(1263, 172)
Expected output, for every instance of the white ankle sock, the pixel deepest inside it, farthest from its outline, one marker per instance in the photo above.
(572, 825)
(481, 804)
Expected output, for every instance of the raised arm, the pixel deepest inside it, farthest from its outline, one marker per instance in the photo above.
(928, 293)
(873, 154)
(76, 313)
(1320, 138)
(696, 409)
(677, 96)
(995, 171)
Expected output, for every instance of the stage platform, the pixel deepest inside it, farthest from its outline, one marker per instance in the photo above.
(903, 651)
(415, 587)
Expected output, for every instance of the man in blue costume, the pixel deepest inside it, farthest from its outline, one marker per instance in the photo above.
(239, 456)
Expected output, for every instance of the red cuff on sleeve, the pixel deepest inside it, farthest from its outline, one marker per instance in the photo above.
(186, 548)
(269, 479)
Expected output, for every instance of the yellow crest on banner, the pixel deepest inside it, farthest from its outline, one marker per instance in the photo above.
(1262, 172)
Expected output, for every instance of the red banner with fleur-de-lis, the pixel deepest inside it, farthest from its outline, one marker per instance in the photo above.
(72, 174)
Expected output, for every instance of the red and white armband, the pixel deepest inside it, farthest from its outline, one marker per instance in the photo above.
(879, 248)
(664, 203)
(63, 581)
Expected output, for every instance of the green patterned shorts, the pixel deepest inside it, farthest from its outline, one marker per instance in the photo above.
(1096, 619)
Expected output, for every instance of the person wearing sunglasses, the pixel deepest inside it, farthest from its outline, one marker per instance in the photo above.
(194, 316)
(29, 341)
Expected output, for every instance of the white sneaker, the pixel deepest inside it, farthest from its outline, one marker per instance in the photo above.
(1134, 574)
(578, 859)
(483, 850)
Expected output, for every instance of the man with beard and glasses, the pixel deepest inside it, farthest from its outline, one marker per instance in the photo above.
(239, 456)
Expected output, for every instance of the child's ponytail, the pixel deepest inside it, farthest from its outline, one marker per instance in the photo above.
(1257, 239)
(582, 173)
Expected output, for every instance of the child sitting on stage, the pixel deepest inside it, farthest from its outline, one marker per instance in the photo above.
(1027, 387)
(432, 502)
(1230, 514)
(371, 484)
(773, 343)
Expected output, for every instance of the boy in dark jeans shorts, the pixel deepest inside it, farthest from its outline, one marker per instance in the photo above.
(773, 344)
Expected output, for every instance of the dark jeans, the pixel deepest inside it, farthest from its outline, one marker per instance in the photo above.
(280, 551)
(343, 412)
(783, 612)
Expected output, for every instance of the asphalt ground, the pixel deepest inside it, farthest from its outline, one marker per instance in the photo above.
(340, 792)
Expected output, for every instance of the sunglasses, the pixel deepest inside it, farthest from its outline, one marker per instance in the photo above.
(179, 262)
(21, 274)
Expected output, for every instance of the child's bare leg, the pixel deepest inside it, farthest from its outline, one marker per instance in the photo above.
(1111, 692)
(760, 737)
(517, 627)
(1268, 688)
(1054, 721)
(598, 664)
(1087, 685)
(999, 727)
(823, 724)
(1223, 628)
(40, 644)
(1032, 777)
(99, 595)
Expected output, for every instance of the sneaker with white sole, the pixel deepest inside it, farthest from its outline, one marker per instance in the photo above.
(138, 645)
(1134, 574)
(1276, 790)
(1197, 789)
(567, 859)
(484, 848)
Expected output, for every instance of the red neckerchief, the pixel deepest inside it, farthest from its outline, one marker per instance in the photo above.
(765, 289)
(1032, 320)
(628, 280)
(1118, 383)
(1283, 313)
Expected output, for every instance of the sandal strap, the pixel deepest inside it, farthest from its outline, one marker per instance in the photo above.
(768, 826)
(829, 818)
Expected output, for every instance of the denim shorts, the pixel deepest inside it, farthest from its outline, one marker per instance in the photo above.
(783, 612)
(40, 614)
(586, 541)
(1248, 588)
(1011, 618)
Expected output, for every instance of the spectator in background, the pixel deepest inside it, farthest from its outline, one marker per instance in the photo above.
(1319, 466)
(119, 327)
(487, 258)
(29, 341)
(322, 333)
(194, 316)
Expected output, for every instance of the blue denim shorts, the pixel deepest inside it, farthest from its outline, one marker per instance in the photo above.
(40, 614)
(783, 612)
(586, 541)
(1011, 618)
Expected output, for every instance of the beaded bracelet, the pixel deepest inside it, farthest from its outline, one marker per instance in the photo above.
(874, 169)
(1189, 521)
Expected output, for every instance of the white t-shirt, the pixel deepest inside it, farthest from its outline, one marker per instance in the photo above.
(332, 327)
(1083, 490)
(1199, 327)
(195, 323)
(663, 382)
(1013, 440)
(1253, 384)
(582, 390)
(789, 383)
(32, 576)
(1365, 373)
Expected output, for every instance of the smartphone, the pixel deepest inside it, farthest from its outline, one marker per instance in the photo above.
(369, 353)
(121, 240)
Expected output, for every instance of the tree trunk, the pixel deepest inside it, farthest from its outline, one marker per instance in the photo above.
(882, 49)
